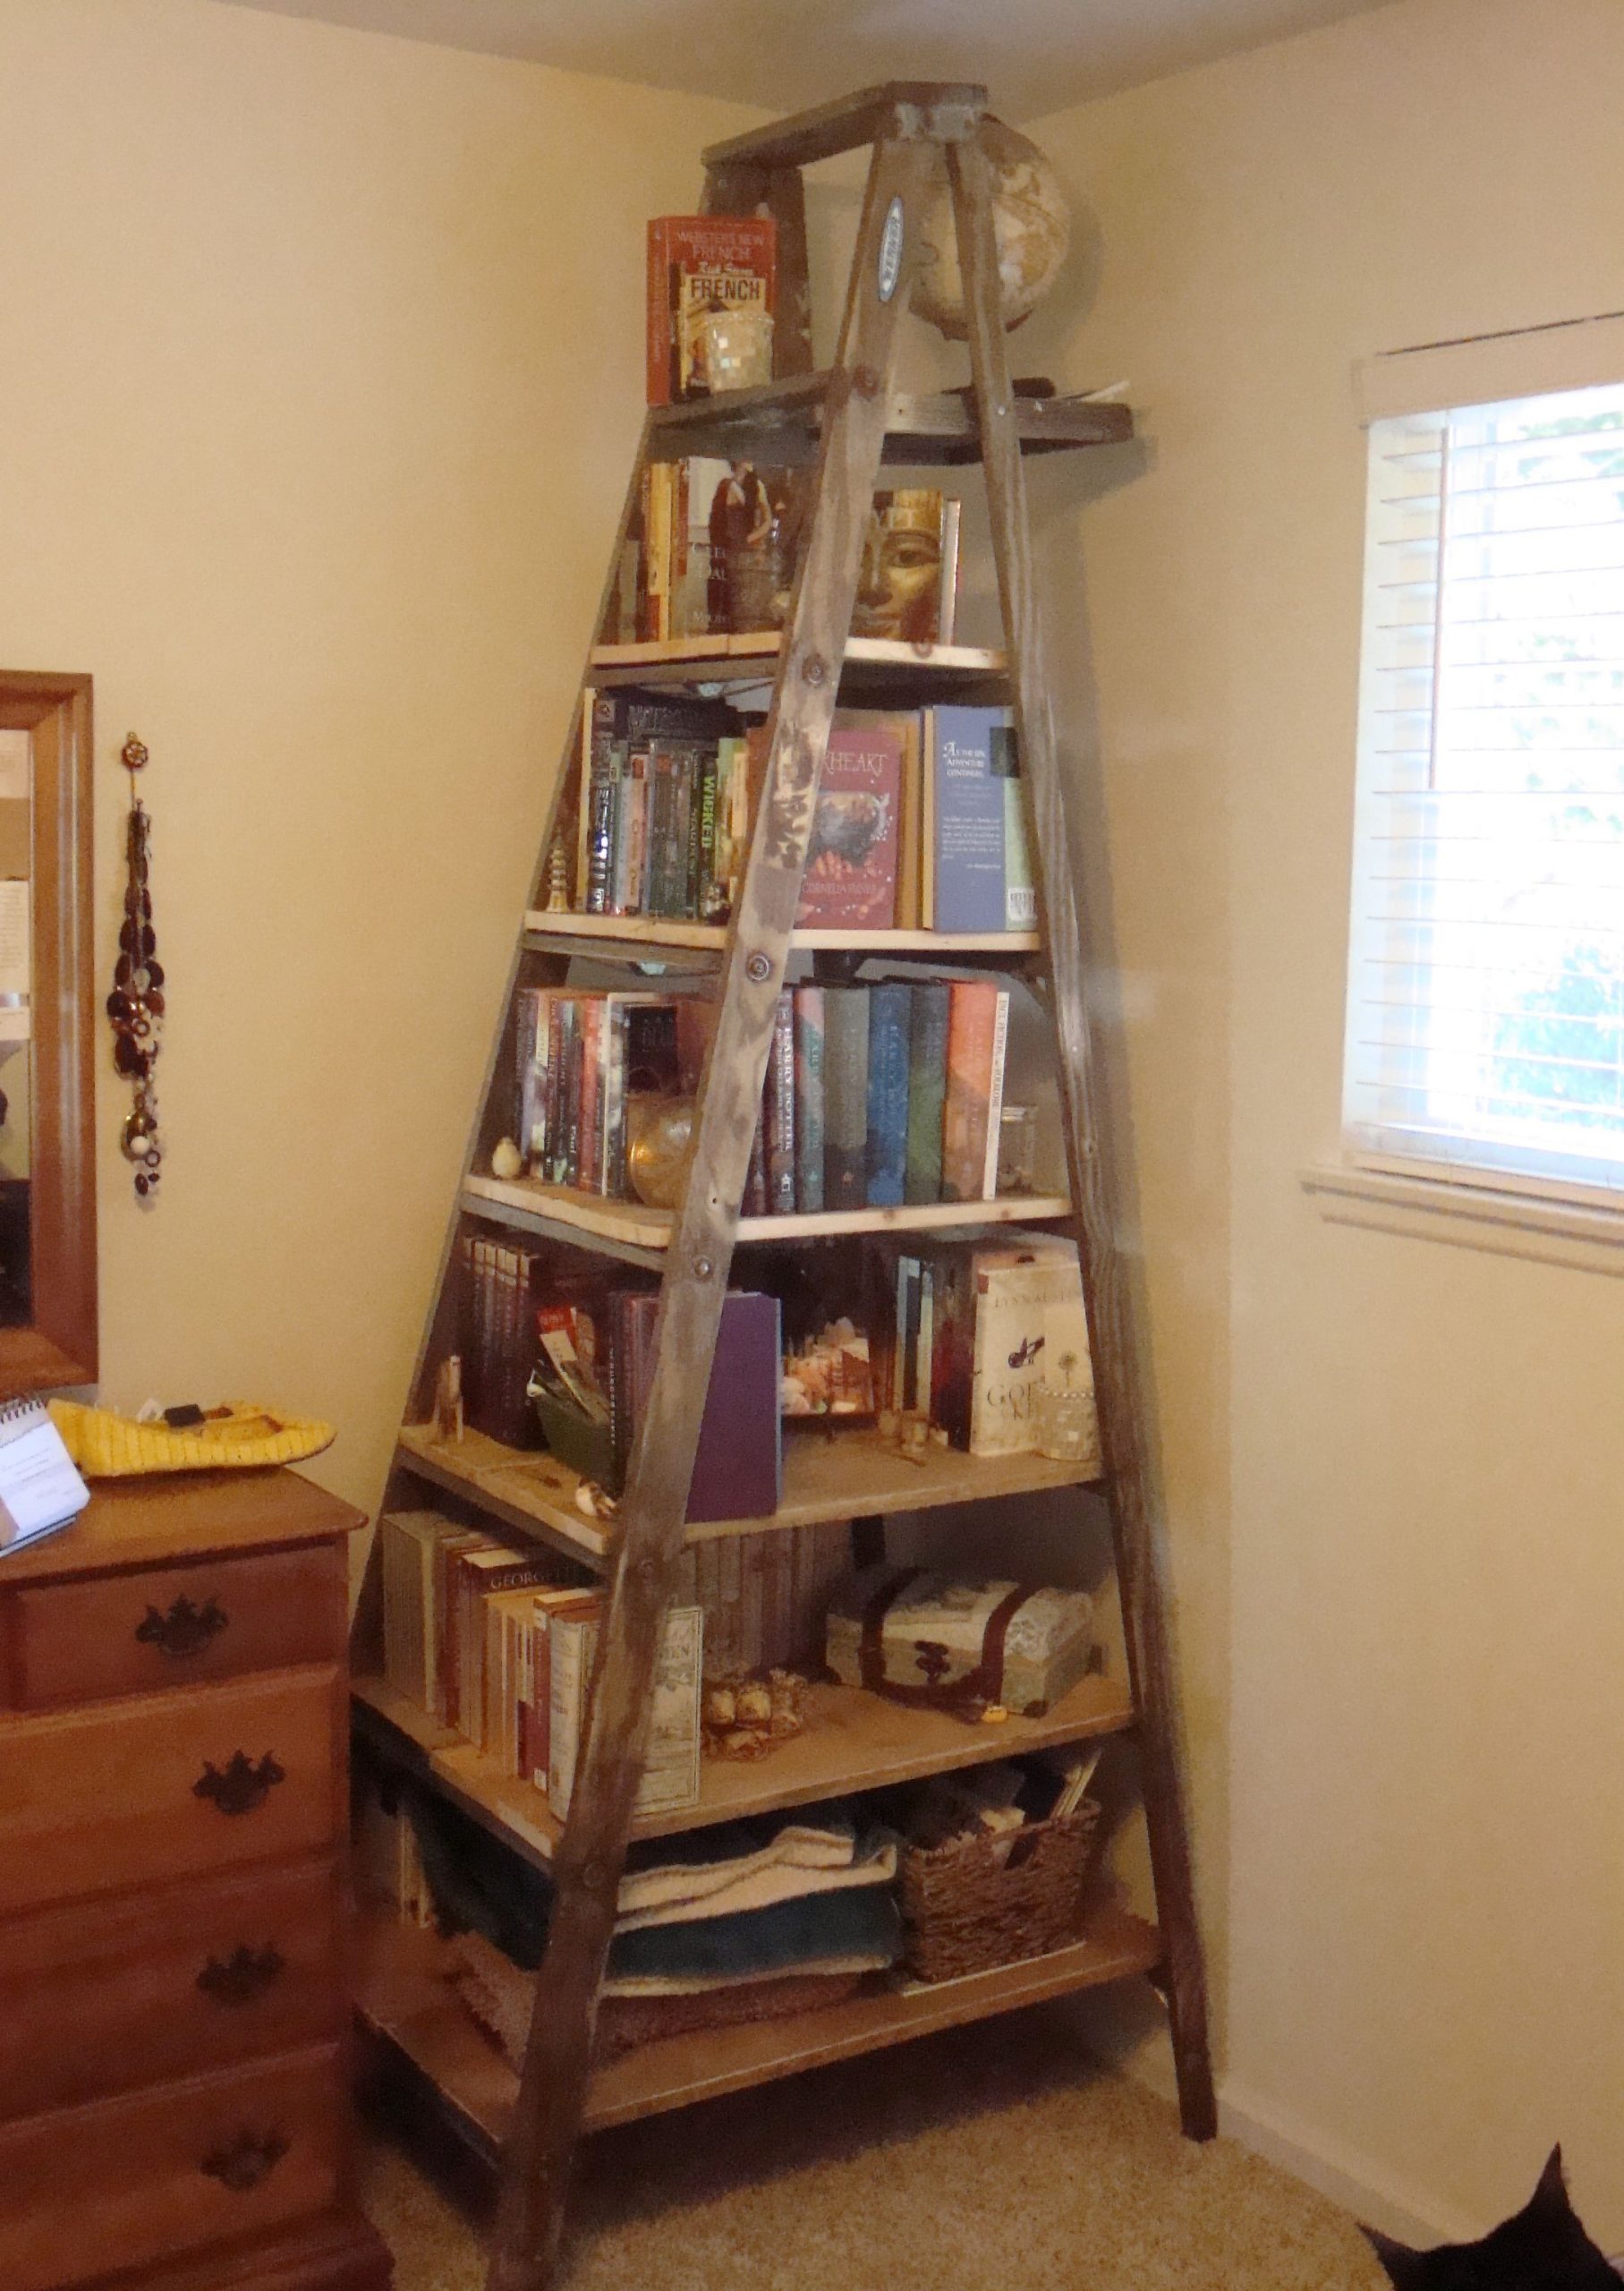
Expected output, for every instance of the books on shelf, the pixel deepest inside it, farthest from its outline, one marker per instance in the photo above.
(500, 1281)
(979, 1327)
(581, 1059)
(662, 778)
(699, 263)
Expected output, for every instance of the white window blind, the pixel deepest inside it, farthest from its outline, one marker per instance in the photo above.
(1485, 1029)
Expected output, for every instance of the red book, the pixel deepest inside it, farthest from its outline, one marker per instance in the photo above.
(696, 263)
(850, 881)
(978, 1023)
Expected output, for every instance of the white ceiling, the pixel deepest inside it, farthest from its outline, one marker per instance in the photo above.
(1036, 55)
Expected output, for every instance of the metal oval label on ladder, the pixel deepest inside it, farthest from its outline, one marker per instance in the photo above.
(891, 250)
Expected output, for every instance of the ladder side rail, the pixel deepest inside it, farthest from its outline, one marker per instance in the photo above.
(1057, 837)
(592, 1851)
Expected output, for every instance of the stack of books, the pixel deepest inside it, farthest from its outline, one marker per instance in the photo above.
(666, 805)
(489, 1641)
(882, 1095)
(980, 1328)
(580, 1058)
(500, 1283)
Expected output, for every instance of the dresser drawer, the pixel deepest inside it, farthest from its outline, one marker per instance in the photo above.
(170, 1785)
(158, 1627)
(87, 2190)
(104, 1996)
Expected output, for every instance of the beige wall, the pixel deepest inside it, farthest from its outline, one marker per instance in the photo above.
(321, 382)
(1400, 1568)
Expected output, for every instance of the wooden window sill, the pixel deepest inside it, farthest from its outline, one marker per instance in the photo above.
(1466, 1215)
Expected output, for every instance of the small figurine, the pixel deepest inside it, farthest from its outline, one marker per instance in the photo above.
(448, 1399)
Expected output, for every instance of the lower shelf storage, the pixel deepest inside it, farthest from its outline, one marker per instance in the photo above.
(406, 2007)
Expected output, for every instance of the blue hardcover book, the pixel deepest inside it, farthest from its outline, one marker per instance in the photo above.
(889, 1015)
(846, 1083)
(979, 877)
(927, 1088)
(809, 1098)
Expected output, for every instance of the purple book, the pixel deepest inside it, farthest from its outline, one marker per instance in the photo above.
(738, 1470)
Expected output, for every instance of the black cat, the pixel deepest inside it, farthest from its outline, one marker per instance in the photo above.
(1541, 2248)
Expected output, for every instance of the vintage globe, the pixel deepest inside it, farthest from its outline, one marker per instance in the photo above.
(1031, 224)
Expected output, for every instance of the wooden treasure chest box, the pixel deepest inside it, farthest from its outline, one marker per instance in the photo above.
(918, 1637)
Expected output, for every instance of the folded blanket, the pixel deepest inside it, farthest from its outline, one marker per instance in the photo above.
(857, 1931)
(702, 1862)
(758, 1884)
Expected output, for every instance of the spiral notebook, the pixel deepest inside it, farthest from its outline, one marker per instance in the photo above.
(39, 1489)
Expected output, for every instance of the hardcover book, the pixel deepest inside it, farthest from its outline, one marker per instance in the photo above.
(927, 1089)
(978, 872)
(846, 1097)
(808, 1099)
(978, 1023)
(851, 864)
(698, 263)
(780, 1110)
(669, 1780)
(890, 1019)
(1029, 1320)
(737, 1467)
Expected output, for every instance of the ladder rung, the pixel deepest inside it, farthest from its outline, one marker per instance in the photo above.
(943, 109)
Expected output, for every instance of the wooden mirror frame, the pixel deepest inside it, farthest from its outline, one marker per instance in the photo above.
(59, 1346)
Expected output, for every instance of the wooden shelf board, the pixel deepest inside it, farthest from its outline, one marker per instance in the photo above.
(854, 1741)
(402, 1999)
(785, 420)
(753, 660)
(593, 1220)
(848, 1473)
(643, 936)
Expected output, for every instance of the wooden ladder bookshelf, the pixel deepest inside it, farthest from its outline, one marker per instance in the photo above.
(850, 421)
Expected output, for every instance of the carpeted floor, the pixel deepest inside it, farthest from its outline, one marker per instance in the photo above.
(991, 2159)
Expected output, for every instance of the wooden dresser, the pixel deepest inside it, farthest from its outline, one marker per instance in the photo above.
(173, 2088)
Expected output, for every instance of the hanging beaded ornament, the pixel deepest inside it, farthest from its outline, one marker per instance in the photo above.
(136, 1004)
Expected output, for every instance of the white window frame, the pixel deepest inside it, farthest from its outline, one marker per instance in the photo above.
(1463, 1202)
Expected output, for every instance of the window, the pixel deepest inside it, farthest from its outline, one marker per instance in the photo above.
(1486, 1008)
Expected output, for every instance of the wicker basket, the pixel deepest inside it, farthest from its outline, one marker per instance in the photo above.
(983, 1901)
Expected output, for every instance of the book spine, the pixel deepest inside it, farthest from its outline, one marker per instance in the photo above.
(947, 612)
(723, 861)
(846, 1087)
(887, 1140)
(685, 856)
(600, 805)
(924, 1337)
(1020, 891)
(612, 1170)
(995, 1095)
(927, 1085)
(574, 1638)
(780, 1110)
(809, 1046)
(754, 1203)
(659, 326)
(589, 1151)
(634, 895)
(712, 906)
(557, 1044)
(972, 1024)
(571, 1094)
(659, 829)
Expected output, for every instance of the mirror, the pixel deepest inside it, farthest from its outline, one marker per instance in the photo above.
(47, 1028)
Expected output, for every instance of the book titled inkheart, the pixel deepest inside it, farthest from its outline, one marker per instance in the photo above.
(850, 882)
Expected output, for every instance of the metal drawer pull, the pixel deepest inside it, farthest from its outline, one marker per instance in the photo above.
(243, 1977)
(185, 1630)
(240, 1787)
(243, 2162)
